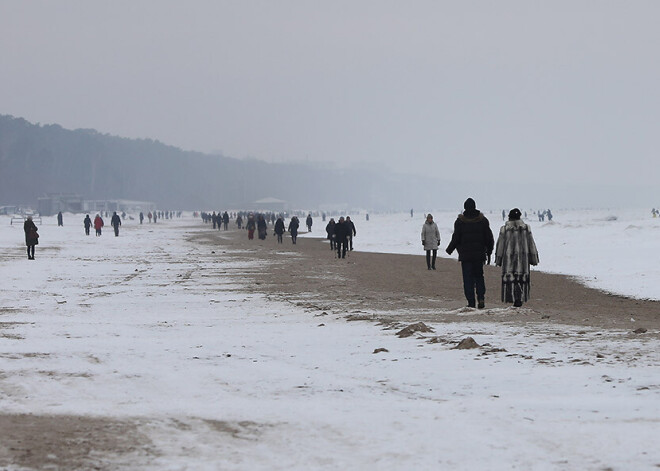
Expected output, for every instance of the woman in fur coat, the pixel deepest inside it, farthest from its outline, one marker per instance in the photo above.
(430, 241)
(515, 252)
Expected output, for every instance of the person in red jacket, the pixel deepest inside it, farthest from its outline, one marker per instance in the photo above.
(98, 224)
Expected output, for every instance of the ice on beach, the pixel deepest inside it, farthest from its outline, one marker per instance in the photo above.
(155, 328)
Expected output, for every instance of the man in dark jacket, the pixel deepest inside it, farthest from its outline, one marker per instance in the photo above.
(351, 232)
(279, 229)
(474, 241)
(115, 222)
(341, 237)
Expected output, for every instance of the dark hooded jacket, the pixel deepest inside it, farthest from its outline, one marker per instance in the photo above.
(472, 237)
(341, 231)
(279, 226)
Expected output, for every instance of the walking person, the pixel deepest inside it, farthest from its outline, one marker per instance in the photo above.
(516, 251)
(309, 222)
(98, 224)
(330, 230)
(351, 232)
(115, 222)
(251, 226)
(262, 226)
(60, 221)
(474, 241)
(31, 236)
(225, 220)
(141, 217)
(430, 241)
(294, 224)
(87, 222)
(341, 237)
(279, 229)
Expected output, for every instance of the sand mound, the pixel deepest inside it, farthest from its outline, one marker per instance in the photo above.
(412, 328)
(466, 343)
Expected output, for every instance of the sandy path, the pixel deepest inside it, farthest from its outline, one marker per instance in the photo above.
(401, 288)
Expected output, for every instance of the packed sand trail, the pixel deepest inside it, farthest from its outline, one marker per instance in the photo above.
(402, 289)
(179, 347)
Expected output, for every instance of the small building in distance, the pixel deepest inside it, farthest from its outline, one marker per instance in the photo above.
(270, 204)
(52, 203)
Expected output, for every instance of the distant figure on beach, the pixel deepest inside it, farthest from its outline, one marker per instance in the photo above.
(115, 222)
(367, 216)
(430, 241)
(239, 221)
(31, 236)
(474, 241)
(294, 224)
(279, 229)
(262, 226)
(98, 224)
(251, 226)
(225, 220)
(549, 214)
(308, 222)
(141, 217)
(149, 216)
(411, 213)
(60, 221)
(516, 251)
(330, 231)
(87, 222)
(341, 237)
(503, 214)
(351, 232)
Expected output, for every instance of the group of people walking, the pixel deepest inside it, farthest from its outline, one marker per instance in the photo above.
(473, 239)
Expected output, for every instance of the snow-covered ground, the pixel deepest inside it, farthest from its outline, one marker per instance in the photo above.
(149, 325)
(613, 250)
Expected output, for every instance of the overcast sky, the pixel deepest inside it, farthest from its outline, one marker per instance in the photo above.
(564, 91)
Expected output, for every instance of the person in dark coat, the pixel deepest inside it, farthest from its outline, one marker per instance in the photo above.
(351, 232)
(341, 237)
(279, 229)
(87, 222)
(474, 241)
(251, 226)
(309, 222)
(239, 221)
(60, 221)
(115, 222)
(98, 224)
(225, 220)
(330, 230)
(141, 217)
(262, 226)
(31, 236)
(294, 224)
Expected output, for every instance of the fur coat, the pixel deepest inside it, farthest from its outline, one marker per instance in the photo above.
(515, 252)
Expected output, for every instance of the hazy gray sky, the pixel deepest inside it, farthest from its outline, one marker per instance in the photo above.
(556, 90)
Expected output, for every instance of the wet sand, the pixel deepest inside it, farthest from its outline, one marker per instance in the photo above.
(400, 288)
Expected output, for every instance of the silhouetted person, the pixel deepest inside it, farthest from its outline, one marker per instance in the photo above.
(279, 229)
(309, 222)
(115, 222)
(60, 220)
(341, 237)
(262, 226)
(330, 230)
(31, 236)
(474, 241)
(87, 222)
(351, 232)
(294, 224)
(251, 226)
(225, 220)
(141, 217)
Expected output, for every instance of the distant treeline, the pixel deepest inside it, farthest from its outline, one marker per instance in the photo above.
(37, 159)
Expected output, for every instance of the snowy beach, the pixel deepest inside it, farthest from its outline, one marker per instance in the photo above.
(169, 334)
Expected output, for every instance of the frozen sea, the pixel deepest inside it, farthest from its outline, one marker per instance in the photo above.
(150, 326)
